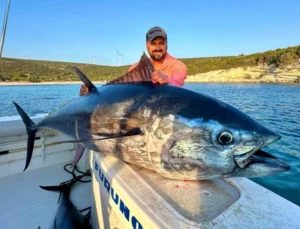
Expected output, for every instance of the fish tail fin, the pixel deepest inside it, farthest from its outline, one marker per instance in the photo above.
(31, 132)
(65, 187)
(62, 188)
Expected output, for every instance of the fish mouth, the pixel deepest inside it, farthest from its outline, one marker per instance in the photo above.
(260, 157)
(243, 160)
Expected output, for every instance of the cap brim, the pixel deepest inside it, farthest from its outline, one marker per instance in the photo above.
(151, 38)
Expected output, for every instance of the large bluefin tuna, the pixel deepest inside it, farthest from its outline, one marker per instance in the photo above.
(174, 131)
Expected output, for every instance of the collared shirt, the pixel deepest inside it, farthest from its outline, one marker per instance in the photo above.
(174, 69)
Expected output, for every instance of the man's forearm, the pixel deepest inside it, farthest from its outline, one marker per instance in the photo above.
(177, 79)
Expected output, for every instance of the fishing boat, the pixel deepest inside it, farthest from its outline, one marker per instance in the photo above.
(122, 195)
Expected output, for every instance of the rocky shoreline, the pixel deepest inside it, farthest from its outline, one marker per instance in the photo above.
(249, 75)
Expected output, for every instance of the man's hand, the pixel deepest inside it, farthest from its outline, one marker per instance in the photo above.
(83, 90)
(158, 77)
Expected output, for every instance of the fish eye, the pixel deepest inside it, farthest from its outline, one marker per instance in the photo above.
(225, 138)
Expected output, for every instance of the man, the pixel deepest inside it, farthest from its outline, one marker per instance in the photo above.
(168, 70)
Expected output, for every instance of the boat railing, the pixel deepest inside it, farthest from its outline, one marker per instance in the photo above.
(47, 149)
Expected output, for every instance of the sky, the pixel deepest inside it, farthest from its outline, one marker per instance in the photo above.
(78, 30)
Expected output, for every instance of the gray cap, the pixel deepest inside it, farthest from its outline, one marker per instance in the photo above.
(156, 32)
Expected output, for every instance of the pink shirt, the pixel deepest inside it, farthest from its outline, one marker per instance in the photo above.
(174, 69)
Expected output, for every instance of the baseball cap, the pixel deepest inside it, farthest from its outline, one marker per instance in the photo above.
(156, 32)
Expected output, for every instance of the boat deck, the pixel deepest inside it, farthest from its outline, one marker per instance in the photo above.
(24, 205)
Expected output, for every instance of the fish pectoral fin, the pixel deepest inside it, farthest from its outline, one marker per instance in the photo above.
(105, 136)
(91, 87)
(131, 132)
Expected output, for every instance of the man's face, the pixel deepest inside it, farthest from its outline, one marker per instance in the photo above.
(157, 48)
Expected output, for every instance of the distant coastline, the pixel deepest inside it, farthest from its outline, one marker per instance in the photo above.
(17, 83)
(280, 66)
(257, 75)
(243, 75)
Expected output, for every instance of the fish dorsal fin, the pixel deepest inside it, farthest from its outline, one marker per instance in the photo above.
(142, 73)
(84, 79)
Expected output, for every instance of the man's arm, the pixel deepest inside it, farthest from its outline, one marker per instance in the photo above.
(178, 78)
(179, 72)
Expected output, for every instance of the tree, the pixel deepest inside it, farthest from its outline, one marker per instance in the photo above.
(286, 59)
(270, 58)
(298, 52)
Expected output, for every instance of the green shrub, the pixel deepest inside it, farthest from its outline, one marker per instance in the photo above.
(247, 76)
(260, 76)
(35, 79)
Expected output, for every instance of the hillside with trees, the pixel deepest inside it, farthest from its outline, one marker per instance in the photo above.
(273, 61)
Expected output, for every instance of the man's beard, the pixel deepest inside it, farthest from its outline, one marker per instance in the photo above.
(154, 55)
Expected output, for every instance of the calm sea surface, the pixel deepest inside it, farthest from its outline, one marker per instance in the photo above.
(275, 106)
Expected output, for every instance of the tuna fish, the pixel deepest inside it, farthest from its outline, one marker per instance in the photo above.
(67, 215)
(179, 133)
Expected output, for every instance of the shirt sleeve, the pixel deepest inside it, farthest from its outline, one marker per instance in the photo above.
(179, 72)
